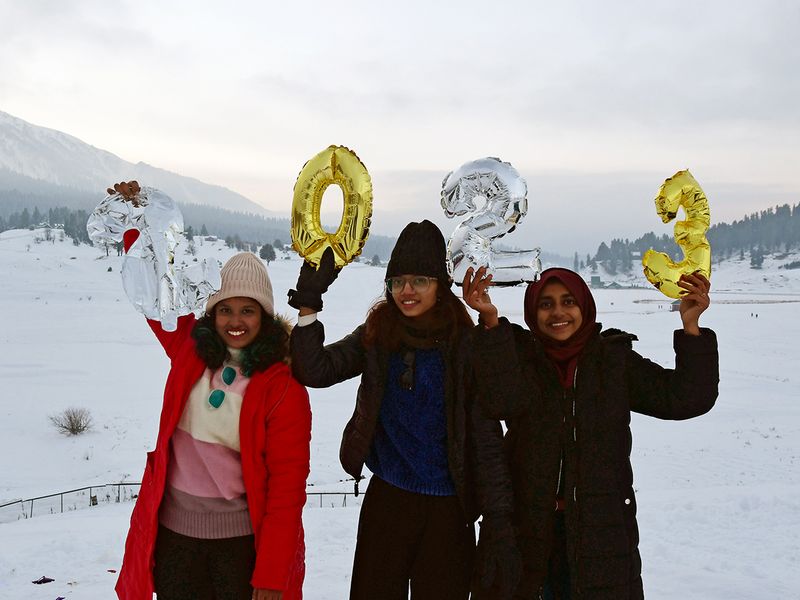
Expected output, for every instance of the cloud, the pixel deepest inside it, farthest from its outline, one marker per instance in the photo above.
(242, 94)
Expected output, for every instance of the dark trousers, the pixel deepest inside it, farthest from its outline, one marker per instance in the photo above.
(194, 569)
(557, 586)
(405, 538)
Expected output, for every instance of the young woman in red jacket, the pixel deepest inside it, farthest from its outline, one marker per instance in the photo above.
(219, 513)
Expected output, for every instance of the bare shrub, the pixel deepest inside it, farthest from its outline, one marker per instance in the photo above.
(73, 421)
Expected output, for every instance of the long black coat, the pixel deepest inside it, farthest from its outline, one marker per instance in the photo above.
(588, 427)
(474, 444)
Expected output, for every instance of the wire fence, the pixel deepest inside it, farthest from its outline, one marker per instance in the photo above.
(112, 493)
(332, 499)
(70, 500)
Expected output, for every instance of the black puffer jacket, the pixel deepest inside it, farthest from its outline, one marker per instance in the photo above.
(588, 427)
(475, 454)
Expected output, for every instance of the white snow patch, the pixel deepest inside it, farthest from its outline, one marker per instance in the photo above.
(718, 496)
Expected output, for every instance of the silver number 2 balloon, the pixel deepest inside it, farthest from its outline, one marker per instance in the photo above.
(505, 203)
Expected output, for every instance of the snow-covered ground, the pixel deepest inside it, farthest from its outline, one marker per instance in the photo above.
(719, 496)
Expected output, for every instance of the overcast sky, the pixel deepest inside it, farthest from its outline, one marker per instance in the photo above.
(594, 102)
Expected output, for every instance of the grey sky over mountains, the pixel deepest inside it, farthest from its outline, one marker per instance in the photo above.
(596, 103)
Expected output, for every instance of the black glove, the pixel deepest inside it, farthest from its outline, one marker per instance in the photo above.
(499, 565)
(312, 282)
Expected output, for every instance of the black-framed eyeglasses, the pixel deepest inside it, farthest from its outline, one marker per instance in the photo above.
(419, 283)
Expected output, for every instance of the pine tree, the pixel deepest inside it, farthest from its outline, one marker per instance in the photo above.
(756, 258)
(603, 253)
(267, 253)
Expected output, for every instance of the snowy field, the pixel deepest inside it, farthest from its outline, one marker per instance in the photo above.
(719, 496)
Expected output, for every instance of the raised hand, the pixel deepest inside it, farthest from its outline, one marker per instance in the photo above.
(312, 283)
(475, 291)
(128, 190)
(695, 302)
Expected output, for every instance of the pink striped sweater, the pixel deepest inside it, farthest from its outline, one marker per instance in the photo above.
(205, 493)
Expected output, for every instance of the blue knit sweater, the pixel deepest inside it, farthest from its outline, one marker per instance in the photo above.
(409, 449)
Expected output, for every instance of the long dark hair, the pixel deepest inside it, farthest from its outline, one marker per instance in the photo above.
(385, 321)
(270, 346)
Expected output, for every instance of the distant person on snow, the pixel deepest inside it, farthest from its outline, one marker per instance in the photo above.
(566, 390)
(437, 463)
(219, 513)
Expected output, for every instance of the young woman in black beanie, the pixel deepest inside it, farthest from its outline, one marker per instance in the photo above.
(436, 463)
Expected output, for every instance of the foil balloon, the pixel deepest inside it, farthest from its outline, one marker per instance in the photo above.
(152, 276)
(504, 194)
(340, 166)
(681, 190)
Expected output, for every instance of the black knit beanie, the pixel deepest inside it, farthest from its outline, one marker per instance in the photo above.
(420, 250)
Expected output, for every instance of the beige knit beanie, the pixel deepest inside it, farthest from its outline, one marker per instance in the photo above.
(245, 275)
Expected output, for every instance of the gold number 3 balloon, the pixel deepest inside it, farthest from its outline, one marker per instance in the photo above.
(340, 166)
(681, 190)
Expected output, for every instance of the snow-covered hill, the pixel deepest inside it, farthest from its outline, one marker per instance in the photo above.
(730, 276)
(31, 154)
(718, 496)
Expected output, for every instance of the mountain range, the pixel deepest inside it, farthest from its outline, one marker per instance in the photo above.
(45, 163)
(44, 168)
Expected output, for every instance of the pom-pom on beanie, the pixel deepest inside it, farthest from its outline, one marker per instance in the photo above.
(420, 250)
(244, 275)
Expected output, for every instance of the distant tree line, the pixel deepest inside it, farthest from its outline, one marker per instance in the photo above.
(71, 221)
(243, 231)
(758, 234)
(16, 199)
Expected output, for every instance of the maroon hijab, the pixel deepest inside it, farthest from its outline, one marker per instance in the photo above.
(563, 354)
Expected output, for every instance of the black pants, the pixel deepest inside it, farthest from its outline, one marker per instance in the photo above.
(194, 569)
(406, 537)
(557, 586)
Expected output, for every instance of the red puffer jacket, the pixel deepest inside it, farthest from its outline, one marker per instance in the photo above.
(275, 433)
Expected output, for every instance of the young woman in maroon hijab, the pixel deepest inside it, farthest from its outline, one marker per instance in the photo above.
(566, 389)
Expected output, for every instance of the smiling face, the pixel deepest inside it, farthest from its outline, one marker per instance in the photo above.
(237, 321)
(557, 313)
(411, 301)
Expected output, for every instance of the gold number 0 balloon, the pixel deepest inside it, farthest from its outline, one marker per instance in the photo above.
(681, 190)
(340, 166)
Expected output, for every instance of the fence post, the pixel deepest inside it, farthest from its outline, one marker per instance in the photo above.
(31, 507)
(62, 502)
